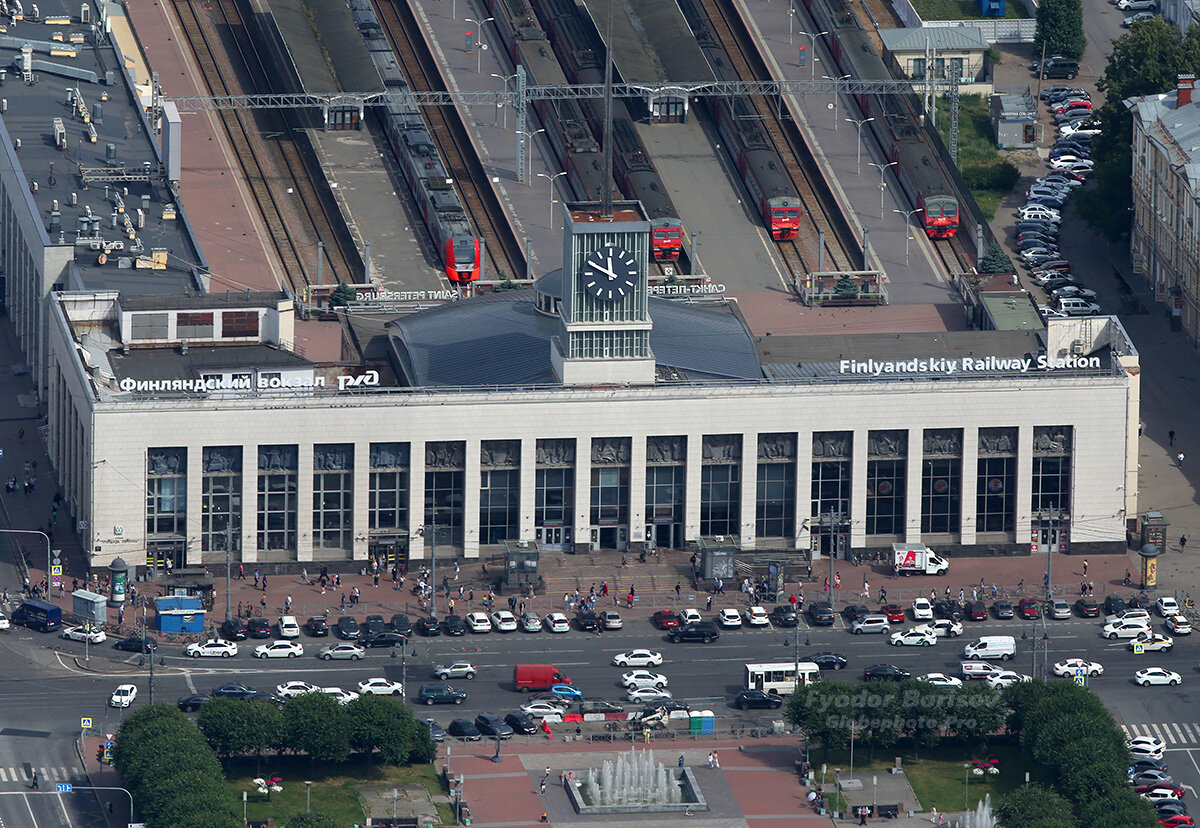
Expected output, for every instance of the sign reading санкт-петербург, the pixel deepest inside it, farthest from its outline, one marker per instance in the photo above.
(966, 365)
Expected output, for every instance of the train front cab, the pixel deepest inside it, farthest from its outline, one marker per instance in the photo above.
(941, 216)
(666, 239)
(462, 259)
(784, 218)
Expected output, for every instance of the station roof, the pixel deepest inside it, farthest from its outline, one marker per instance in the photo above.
(352, 69)
(1012, 311)
(113, 111)
(173, 363)
(954, 38)
(652, 43)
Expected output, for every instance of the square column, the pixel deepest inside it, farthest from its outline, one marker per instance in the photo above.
(472, 480)
(304, 501)
(858, 490)
(361, 508)
(1024, 518)
(249, 504)
(416, 501)
(583, 494)
(749, 492)
(691, 497)
(525, 520)
(637, 493)
(970, 485)
(195, 504)
(912, 485)
(804, 517)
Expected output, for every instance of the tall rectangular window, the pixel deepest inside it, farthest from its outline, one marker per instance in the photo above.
(996, 481)
(554, 483)
(941, 482)
(610, 481)
(333, 496)
(1051, 468)
(831, 456)
(775, 495)
(664, 494)
(720, 484)
(499, 490)
(166, 491)
(221, 499)
(445, 466)
(887, 464)
(277, 503)
(388, 500)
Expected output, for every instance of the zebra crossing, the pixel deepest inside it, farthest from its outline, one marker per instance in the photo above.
(1178, 734)
(48, 776)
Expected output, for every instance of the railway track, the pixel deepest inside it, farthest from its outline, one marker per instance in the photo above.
(446, 127)
(801, 254)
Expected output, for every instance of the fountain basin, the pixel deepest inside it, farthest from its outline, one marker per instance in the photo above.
(691, 798)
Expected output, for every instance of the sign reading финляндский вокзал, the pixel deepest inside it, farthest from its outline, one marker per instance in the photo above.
(967, 365)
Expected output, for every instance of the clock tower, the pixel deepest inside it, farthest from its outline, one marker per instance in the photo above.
(604, 313)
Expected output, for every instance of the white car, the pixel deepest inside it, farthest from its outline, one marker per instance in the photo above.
(1137, 5)
(757, 617)
(344, 650)
(279, 649)
(1124, 629)
(538, 709)
(531, 622)
(942, 680)
(643, 678)
(638, 658)
(380, 687)
(1166, 606)
(288, 627)
(871, 624)
(1070, 162)
(611, 620)
(1156, 675)
(1163, 794)
(943, 628)
(457, 669)
(213, 648)
(1134, 614)
(916, 637)
(1152, 643)
(4, 625)
(556, 622)
(1004, 678)
(343, 696)
(729, 618)
(1079, 129)
(477, 622)
(1179, 625)
(291, 689)
(123, 696)
(1072, 666)
(646, 694)
(1150, 746)
(84, 634)
(690, 615)
(922, 610)
(504, 621)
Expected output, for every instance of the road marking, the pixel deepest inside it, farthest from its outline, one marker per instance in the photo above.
(29, 807)
(191, 685)
(3, 774)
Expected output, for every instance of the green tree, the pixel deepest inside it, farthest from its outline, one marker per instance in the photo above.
(1119, 808)
(977, 713)
(317, 724)
(995, 260)
(1034, 807)
(233, 727)
(1060, 28)
(341, 296)
(824, 711)
(377, 724)
(311, 819)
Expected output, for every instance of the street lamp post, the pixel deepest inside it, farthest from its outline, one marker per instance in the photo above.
(551, 179)
(496, 755)
(48, 554)
(695, 252)
(858, 125)
(835, 97)
(882, 184)
(500, 104)
(812, 58)
(479, 40)
(966, 783)
(908, 214)
(529, 136)
(307, 796)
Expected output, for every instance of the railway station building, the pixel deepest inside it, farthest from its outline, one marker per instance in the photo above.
(582, 414)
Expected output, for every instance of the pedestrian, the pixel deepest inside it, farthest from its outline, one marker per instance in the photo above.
(256, 577)
(895, 571)
(262, 603)
(866, 593)
(1179, 457)
(35, 780)
(708, 604)
(343, 602)
(1182, 542)
(542, 791)
(241, 572)
(882, 595)
(827, 585)
(862, 815)
(681, 760)
(545, 817)
(287, 604)
(629, 600)
(1171, 437)
(837, 580)
(710, 758)
(604, 589)
(1085, 567)
(264, 583)
(974, 593)
(961, 596)
(624, 560)
(375, 577)
(994, 592)
(21, 434)
(304, 575)
(716, 760)
(456, 570)
(1091, 587)
(678, 589)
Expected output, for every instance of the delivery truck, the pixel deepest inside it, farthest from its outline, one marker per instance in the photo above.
(918, 559)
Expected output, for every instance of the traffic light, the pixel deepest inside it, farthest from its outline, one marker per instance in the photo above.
(803, 55)
(100, 754)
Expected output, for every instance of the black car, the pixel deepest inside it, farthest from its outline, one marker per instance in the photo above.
(599, 706)
(1114, 604)
(136, 644)
(347, 628)
(234, 690)
(464, 731)
(190, 704)
(885, 672)
(428, 626)
(261, 696)
(387, 638)
(820, 614)
(669, 705)
(1146, 763)
(489, 724)
(521, 723)
(258, 628)
(854, 612)
(587, 620)
(233, 630)
(784, 615)
(373, 625)
(948, 609)
(1134, 602)
(1003, 609)
(829, 661)
(704, 631)
(401, 624)
(1087, 608)
(316, 627)
(756, 699)
(436, 732)
(454, 625)
(440, 694)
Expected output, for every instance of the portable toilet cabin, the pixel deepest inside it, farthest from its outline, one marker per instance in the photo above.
(180, 614)
(991, 8)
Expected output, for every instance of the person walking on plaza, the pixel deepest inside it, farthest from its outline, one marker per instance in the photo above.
(708, 604)
(1085, 567)
(287, 604)
(264, 583)
(1182, 542)
(1179, 457)
(256, 577)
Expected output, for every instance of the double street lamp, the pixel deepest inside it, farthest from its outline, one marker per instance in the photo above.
(858, 125)
(908, 214)
(835, 96)
(479, 41)
(507, 79)
(529, 136)
(812, 58)
(551, 179)
(882, 184)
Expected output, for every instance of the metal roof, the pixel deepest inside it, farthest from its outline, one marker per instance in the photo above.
(958, 38)
(652, 43)
(1176, 129)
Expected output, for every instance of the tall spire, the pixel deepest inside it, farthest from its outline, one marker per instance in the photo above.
(606, 202)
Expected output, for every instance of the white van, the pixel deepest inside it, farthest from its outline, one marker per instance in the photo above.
(1002, 647)
(978, 669)
(1076, 306)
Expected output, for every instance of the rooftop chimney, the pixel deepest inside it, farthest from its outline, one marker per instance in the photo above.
(1183, 90)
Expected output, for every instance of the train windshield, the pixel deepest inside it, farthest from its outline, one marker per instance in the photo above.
(786, 215)
(666, 234)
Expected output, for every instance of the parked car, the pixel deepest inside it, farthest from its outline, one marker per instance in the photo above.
(976, 611)
(373, 625)
(1087, 608)
(854, 612)
(428, 626)
(665, 620)
(478, 622)
(949, 609)
(464, 731)
(587, 620)
(84, 633)
(894, 613)
(401, 624)
(288, 627)
(347, 628)
(504, 621)
(820, 614)
(521, 723)
(729, 618)
(436, 732)
(1028, 609)
(611, 620)
(1003, 609)
(489, 724)
(455, 669)
(316, 627)
(1137, 5)
(531, 622)
(1179, 625)
(784, 615)
(453, 625)
(1058, 609)
(556, 622)
(757, 617)
(233, 629)
(922, 610)
(1166, 606)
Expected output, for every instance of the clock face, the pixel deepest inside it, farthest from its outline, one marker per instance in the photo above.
(609, 273)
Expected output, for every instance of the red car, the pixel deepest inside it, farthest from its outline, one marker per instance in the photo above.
(1074, 105)
(1165, 786)
(1175, 820)
(665, 620)
(894, 612)
(976, 611)
(1028, 608)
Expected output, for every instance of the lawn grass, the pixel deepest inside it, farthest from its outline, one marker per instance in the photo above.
(977, 149)
(964, 10)
(334, 789)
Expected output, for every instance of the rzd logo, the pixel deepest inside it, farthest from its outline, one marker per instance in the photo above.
(369, 378)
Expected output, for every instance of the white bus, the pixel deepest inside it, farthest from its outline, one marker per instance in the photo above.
(779, 677)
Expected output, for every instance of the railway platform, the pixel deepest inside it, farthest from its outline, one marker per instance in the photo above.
(917, 281)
